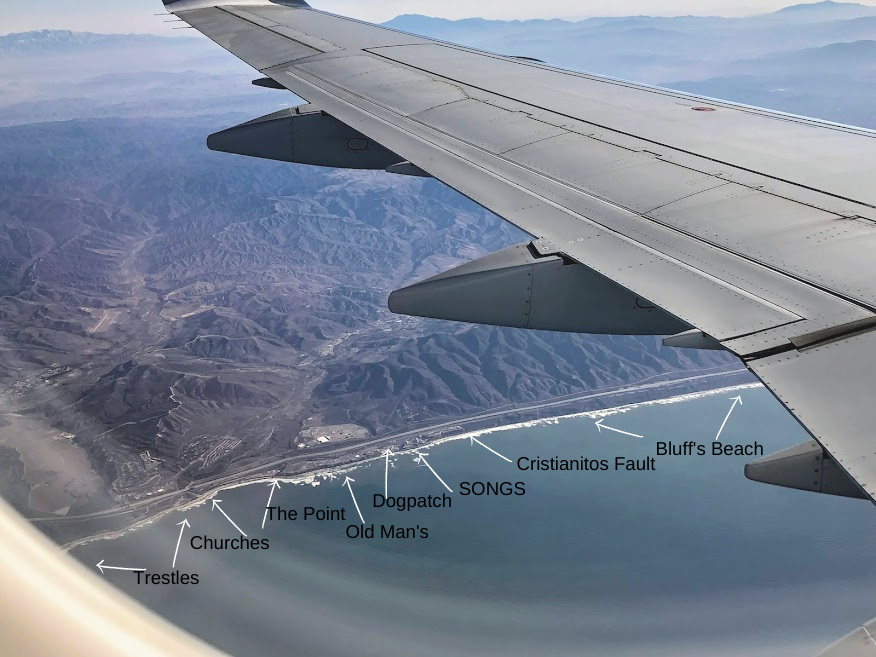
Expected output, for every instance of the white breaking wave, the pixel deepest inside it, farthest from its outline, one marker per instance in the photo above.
(606, 412)
(335, 472)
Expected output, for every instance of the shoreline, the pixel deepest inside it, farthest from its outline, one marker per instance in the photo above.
(331, 473)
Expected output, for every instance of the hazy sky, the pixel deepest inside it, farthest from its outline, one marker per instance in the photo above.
(138, 15)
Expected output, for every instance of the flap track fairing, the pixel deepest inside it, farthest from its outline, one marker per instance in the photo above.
(518, 288)
(304, 135)
(804, 467)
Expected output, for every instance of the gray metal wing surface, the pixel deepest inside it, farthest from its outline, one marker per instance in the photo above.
(757, 228)
(858, 643)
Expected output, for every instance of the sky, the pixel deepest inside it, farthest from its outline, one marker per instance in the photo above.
(124, 16)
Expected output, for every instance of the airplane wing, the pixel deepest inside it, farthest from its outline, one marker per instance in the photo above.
(858, 643)
(651, 211)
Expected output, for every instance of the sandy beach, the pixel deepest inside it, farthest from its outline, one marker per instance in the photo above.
(315, 478)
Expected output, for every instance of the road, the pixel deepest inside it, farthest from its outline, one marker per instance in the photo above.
(109, 318)
(277, 461)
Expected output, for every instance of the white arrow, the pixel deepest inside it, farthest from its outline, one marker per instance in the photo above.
(274, 485)
(475, 440)
(347, 484)
(601, 426)
(386, 476)
(134, 570)
(184, 524)
(737, 399)
(423, 459)
(216, 506)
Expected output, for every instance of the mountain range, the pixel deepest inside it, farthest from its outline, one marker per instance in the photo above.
(44, 42)
(177, 313)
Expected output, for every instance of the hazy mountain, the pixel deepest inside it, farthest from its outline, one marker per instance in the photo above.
(67, 75)
(656, 49)
(834, 82)
(823, 65)
(822, 11)
(58, 75)
(856, 58)
(65, 41)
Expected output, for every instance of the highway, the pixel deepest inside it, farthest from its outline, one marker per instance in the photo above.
(705, 380)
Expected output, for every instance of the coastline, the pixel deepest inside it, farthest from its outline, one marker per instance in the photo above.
(316, 477)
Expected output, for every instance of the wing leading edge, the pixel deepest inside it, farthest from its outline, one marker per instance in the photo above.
(752, 227)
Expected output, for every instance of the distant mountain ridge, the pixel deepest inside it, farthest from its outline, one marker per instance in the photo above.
(209, 309)
(59, 41)
(836, 9)
(817, 11)
(848, 55)
(825, 4)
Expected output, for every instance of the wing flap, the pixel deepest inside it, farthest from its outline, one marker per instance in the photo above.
(606, 170)
(507, 129)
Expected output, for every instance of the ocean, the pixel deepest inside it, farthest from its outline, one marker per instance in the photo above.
(683, 558)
